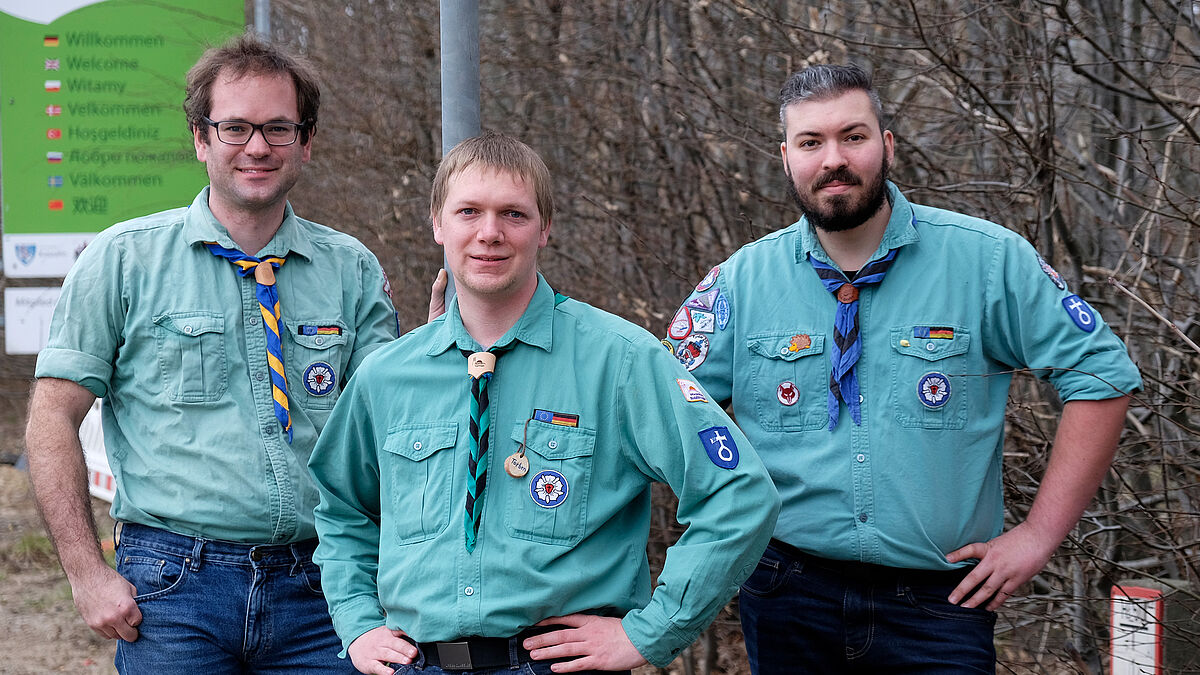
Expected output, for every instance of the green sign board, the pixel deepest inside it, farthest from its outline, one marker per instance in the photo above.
(92, 131)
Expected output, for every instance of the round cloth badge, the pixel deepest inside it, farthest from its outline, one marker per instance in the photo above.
(934, 390)
(692, 351)
(319, 379)
(548, 489)
(788, 393)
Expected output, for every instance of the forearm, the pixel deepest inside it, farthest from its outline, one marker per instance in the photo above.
(1083, 451)
(59, 474)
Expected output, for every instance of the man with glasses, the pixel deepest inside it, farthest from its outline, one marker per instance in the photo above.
(220, 336)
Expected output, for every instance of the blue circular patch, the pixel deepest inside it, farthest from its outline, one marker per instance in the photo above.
(934, 390)
(319, 379)
(548, 489)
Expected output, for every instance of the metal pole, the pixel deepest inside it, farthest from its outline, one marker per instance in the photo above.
(460, 71)
(460, 80)
(262, 17)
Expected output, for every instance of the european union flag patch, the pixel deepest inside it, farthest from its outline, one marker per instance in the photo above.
(719, 445)
(560, 419)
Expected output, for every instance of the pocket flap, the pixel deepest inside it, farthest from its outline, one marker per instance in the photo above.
(930, 343)
(786, 346)
(191, 323)
(555, 441)
(419, 441)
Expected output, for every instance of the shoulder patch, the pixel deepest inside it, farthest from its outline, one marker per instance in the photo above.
(1052, 273)
(681, 325)
(709, 279)
(719, 445)
(1080, 312)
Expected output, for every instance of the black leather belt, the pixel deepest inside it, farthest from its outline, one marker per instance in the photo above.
(861, 571)
(476, 653)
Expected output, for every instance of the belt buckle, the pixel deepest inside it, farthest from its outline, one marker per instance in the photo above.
(455, 655)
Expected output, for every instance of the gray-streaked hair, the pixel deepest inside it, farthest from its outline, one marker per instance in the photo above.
(825, 81)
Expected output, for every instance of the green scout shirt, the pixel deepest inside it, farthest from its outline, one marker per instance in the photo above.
(392, 470)
(965, 303)
(171, 337)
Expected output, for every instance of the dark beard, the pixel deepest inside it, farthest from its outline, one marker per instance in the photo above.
(841, 215)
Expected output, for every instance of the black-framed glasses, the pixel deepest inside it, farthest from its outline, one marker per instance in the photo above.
(238, 132)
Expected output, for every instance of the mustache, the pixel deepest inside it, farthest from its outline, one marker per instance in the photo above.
(841, 174)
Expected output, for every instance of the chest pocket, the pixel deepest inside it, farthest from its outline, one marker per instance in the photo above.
(315, 361)
(191, 355)
(789, 374)
(549, 503)
(416, 472)
(929, 387)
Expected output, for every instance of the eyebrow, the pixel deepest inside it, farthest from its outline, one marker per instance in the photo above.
(846, 129)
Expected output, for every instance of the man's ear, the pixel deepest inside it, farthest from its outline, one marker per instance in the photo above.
(437, 227)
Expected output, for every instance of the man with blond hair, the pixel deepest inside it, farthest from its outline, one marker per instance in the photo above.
(485, 480)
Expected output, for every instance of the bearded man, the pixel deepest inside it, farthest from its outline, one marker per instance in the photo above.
(867, 351)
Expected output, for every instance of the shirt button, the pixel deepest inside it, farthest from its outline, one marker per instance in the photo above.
(860, 398)
(861, 458)
(469, 590)
(319, 340)
(930, 346)
(862, 517)
(271, 429)
(417, 445)
(259, 376)
(187, 329)
(253, 321)
(552, 445)
(784, 351)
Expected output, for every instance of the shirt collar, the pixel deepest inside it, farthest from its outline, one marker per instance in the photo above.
(901, 230)
(535, 327)
(200, 225)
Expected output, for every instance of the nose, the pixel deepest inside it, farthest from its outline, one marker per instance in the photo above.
(257, 145)
(490, 230)
(833, 158)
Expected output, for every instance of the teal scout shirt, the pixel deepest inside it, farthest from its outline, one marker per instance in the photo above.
(964, 304)
(392, 469)
(172, 338)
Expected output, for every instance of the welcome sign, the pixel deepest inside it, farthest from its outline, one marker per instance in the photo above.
(91, 118)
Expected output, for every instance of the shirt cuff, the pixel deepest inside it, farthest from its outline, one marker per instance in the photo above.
(654, 636)
(67, 364)
(355, 617)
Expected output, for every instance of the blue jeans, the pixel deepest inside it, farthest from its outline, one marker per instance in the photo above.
(803, 614)
(217, 607)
